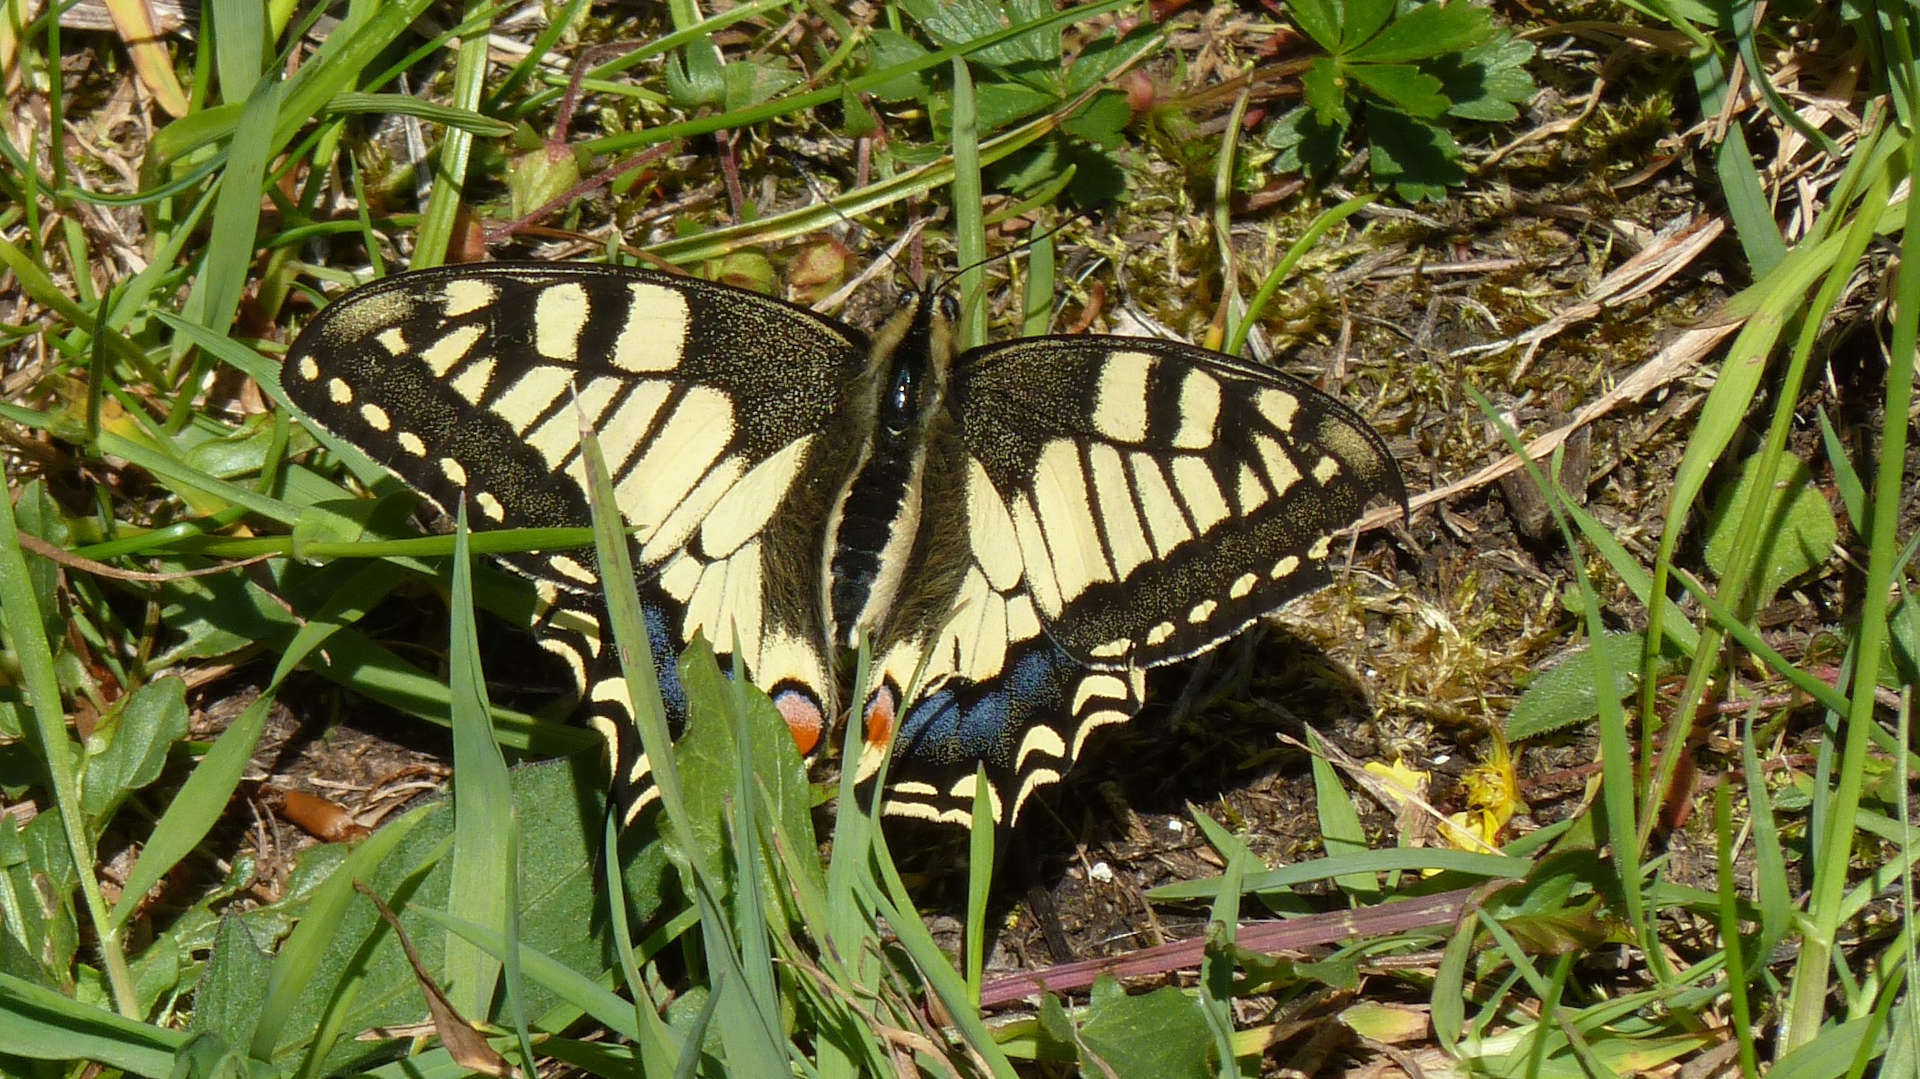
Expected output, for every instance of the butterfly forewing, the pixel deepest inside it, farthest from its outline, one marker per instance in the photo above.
(1162, 496)
(710, 403)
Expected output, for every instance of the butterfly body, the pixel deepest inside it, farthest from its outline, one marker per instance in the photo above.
(1021, 529)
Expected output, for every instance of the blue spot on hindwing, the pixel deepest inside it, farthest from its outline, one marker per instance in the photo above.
(964, 720)
(666, 666)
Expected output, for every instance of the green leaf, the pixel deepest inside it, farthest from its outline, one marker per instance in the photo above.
(749, 84)
(1108, 54)
(888, 48)
(39, 516)
(1325, 90)
(353, 976)
(1102, 120)
(484, 816)
(234, 454)
(1306, 144)
(1487, 82)
(207, 1055)
(540, 175)
(1427, 31)
(1417, 158)
(129, 748)
(958, 22)
(40, 1024)
(1056, 1029)
(1797, 532)
(1340, 824)
(1903, 642)
(707, 749)
(227, 1001)
(1403, 86)
(694, 77)
(1569, 693)
(1320, 19)
(1157, 1035)
(39, 937)
(1000, 104)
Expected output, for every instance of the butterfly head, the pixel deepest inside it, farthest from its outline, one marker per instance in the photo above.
(913, 349)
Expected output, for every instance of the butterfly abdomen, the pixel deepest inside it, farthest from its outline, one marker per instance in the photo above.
(871, 529)
(882, 491)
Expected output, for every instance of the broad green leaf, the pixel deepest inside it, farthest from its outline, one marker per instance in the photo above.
(1004, 103)
(207, 1055)
(707, 750)
(1320, 19)
(1325, 92)
(1102, 120)
(1426, 31)
(1797, 534)
(1487, 82)
(359, 979)
(129, 748)
(888, 49)
(234, 454)
(958, 22)
(1569, 692)
(1403, 86)
(694, 77)
(1157, 1035)
(1417, 158)
(1108, 54)
(539, 175)
(38, 936)
(748, 84)
(1305, 143)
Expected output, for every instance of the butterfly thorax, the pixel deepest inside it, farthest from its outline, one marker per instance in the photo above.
(873, 522)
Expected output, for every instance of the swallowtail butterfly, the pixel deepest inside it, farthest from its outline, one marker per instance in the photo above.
(1037, 522)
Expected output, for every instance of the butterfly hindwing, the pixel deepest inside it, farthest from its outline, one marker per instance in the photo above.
(964, 673)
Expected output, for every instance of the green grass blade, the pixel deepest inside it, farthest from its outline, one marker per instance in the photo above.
(1809, 989)
(482, 802)
(1617, 772)
(239, 46)
(1282, 270)
(38, 1023)
(236, 220)
(969, 211)
(21, 617)
(980, 839)
(1398, 859)
(450, 167)
(1730, 937)
(1340, 828)
(298, 959)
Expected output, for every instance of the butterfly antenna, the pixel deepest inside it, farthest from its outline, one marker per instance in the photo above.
(891, 253)
(1058, 227)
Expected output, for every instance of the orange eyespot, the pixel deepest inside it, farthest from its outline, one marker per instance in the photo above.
(880, 709)
(803, 716)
